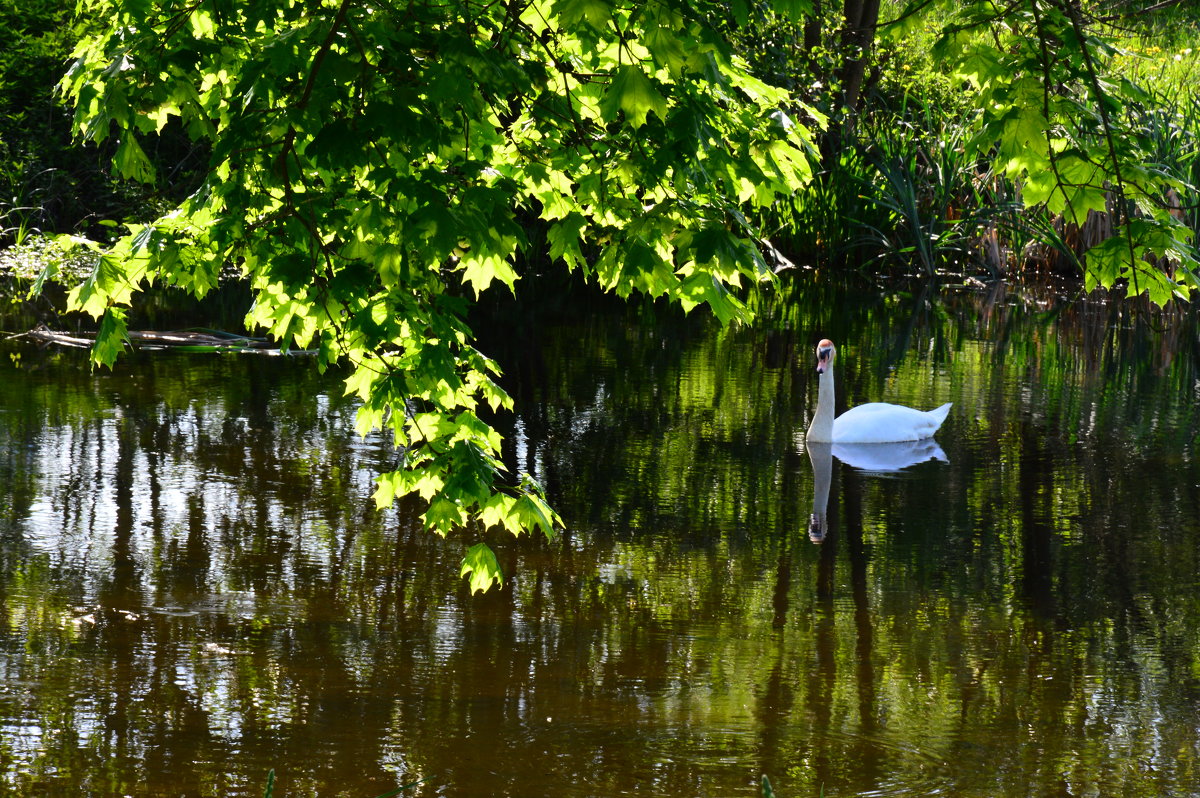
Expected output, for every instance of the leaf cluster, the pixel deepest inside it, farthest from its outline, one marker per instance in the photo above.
(374, 166)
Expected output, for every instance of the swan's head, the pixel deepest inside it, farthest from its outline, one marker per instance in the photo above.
(825, 353)
(816, 528)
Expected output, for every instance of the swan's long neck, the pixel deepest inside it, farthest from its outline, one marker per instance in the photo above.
(821, 427)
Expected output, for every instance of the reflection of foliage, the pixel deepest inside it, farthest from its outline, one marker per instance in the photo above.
(192, 592)
(702, 432)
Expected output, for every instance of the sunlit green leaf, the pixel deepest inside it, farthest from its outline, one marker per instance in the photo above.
(481, 568)
(634, 93)
(111, 338)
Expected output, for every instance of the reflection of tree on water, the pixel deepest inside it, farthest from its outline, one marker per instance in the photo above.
(860, 460)
(828, 664)
(1006, 615)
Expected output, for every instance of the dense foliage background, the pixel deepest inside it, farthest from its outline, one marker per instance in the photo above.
(898, 189)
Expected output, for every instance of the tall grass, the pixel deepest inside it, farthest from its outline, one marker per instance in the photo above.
(900, 194)
(933, 196)
(823, 223)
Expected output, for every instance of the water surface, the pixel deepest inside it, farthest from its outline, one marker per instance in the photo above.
(195, 587)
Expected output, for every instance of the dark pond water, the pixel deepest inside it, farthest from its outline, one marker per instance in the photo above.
(195, 587)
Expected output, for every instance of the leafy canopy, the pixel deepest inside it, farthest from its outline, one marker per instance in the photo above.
(376, 165)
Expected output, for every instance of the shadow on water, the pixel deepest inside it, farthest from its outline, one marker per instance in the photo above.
(195, 587)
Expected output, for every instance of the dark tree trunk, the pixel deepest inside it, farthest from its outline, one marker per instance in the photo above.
(858, 37)
(813, 28)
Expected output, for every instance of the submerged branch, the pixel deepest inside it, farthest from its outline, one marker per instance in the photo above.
(181, 341)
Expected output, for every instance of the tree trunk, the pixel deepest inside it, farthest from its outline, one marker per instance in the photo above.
(858, 37)
(813, 28)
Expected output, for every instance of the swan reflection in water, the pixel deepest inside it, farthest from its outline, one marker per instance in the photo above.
(821, 457)
(877, 459)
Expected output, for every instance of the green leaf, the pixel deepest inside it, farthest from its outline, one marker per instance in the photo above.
(564, 237)
(1106, 260)
(794, 10)
(111, 338)
(533, 512)
(481, 568)
(480, 270)
(401, 482)
(634, 93)
(1083, 187)
(702, 287)
(444, 516)
(597, 12)
(741, 12)
(668, 49)
(109, 284)
(500, 510)
(131, 161)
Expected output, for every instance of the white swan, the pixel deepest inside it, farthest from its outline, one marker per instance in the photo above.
(875, 422)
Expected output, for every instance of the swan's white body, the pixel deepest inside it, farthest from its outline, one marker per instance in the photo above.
(875, 422)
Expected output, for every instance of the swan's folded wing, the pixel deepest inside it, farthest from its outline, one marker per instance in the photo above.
(880, 422)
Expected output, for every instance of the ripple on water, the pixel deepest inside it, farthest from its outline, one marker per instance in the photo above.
(889, 765)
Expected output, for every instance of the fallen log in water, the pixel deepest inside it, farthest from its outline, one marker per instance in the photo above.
(176, 340)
